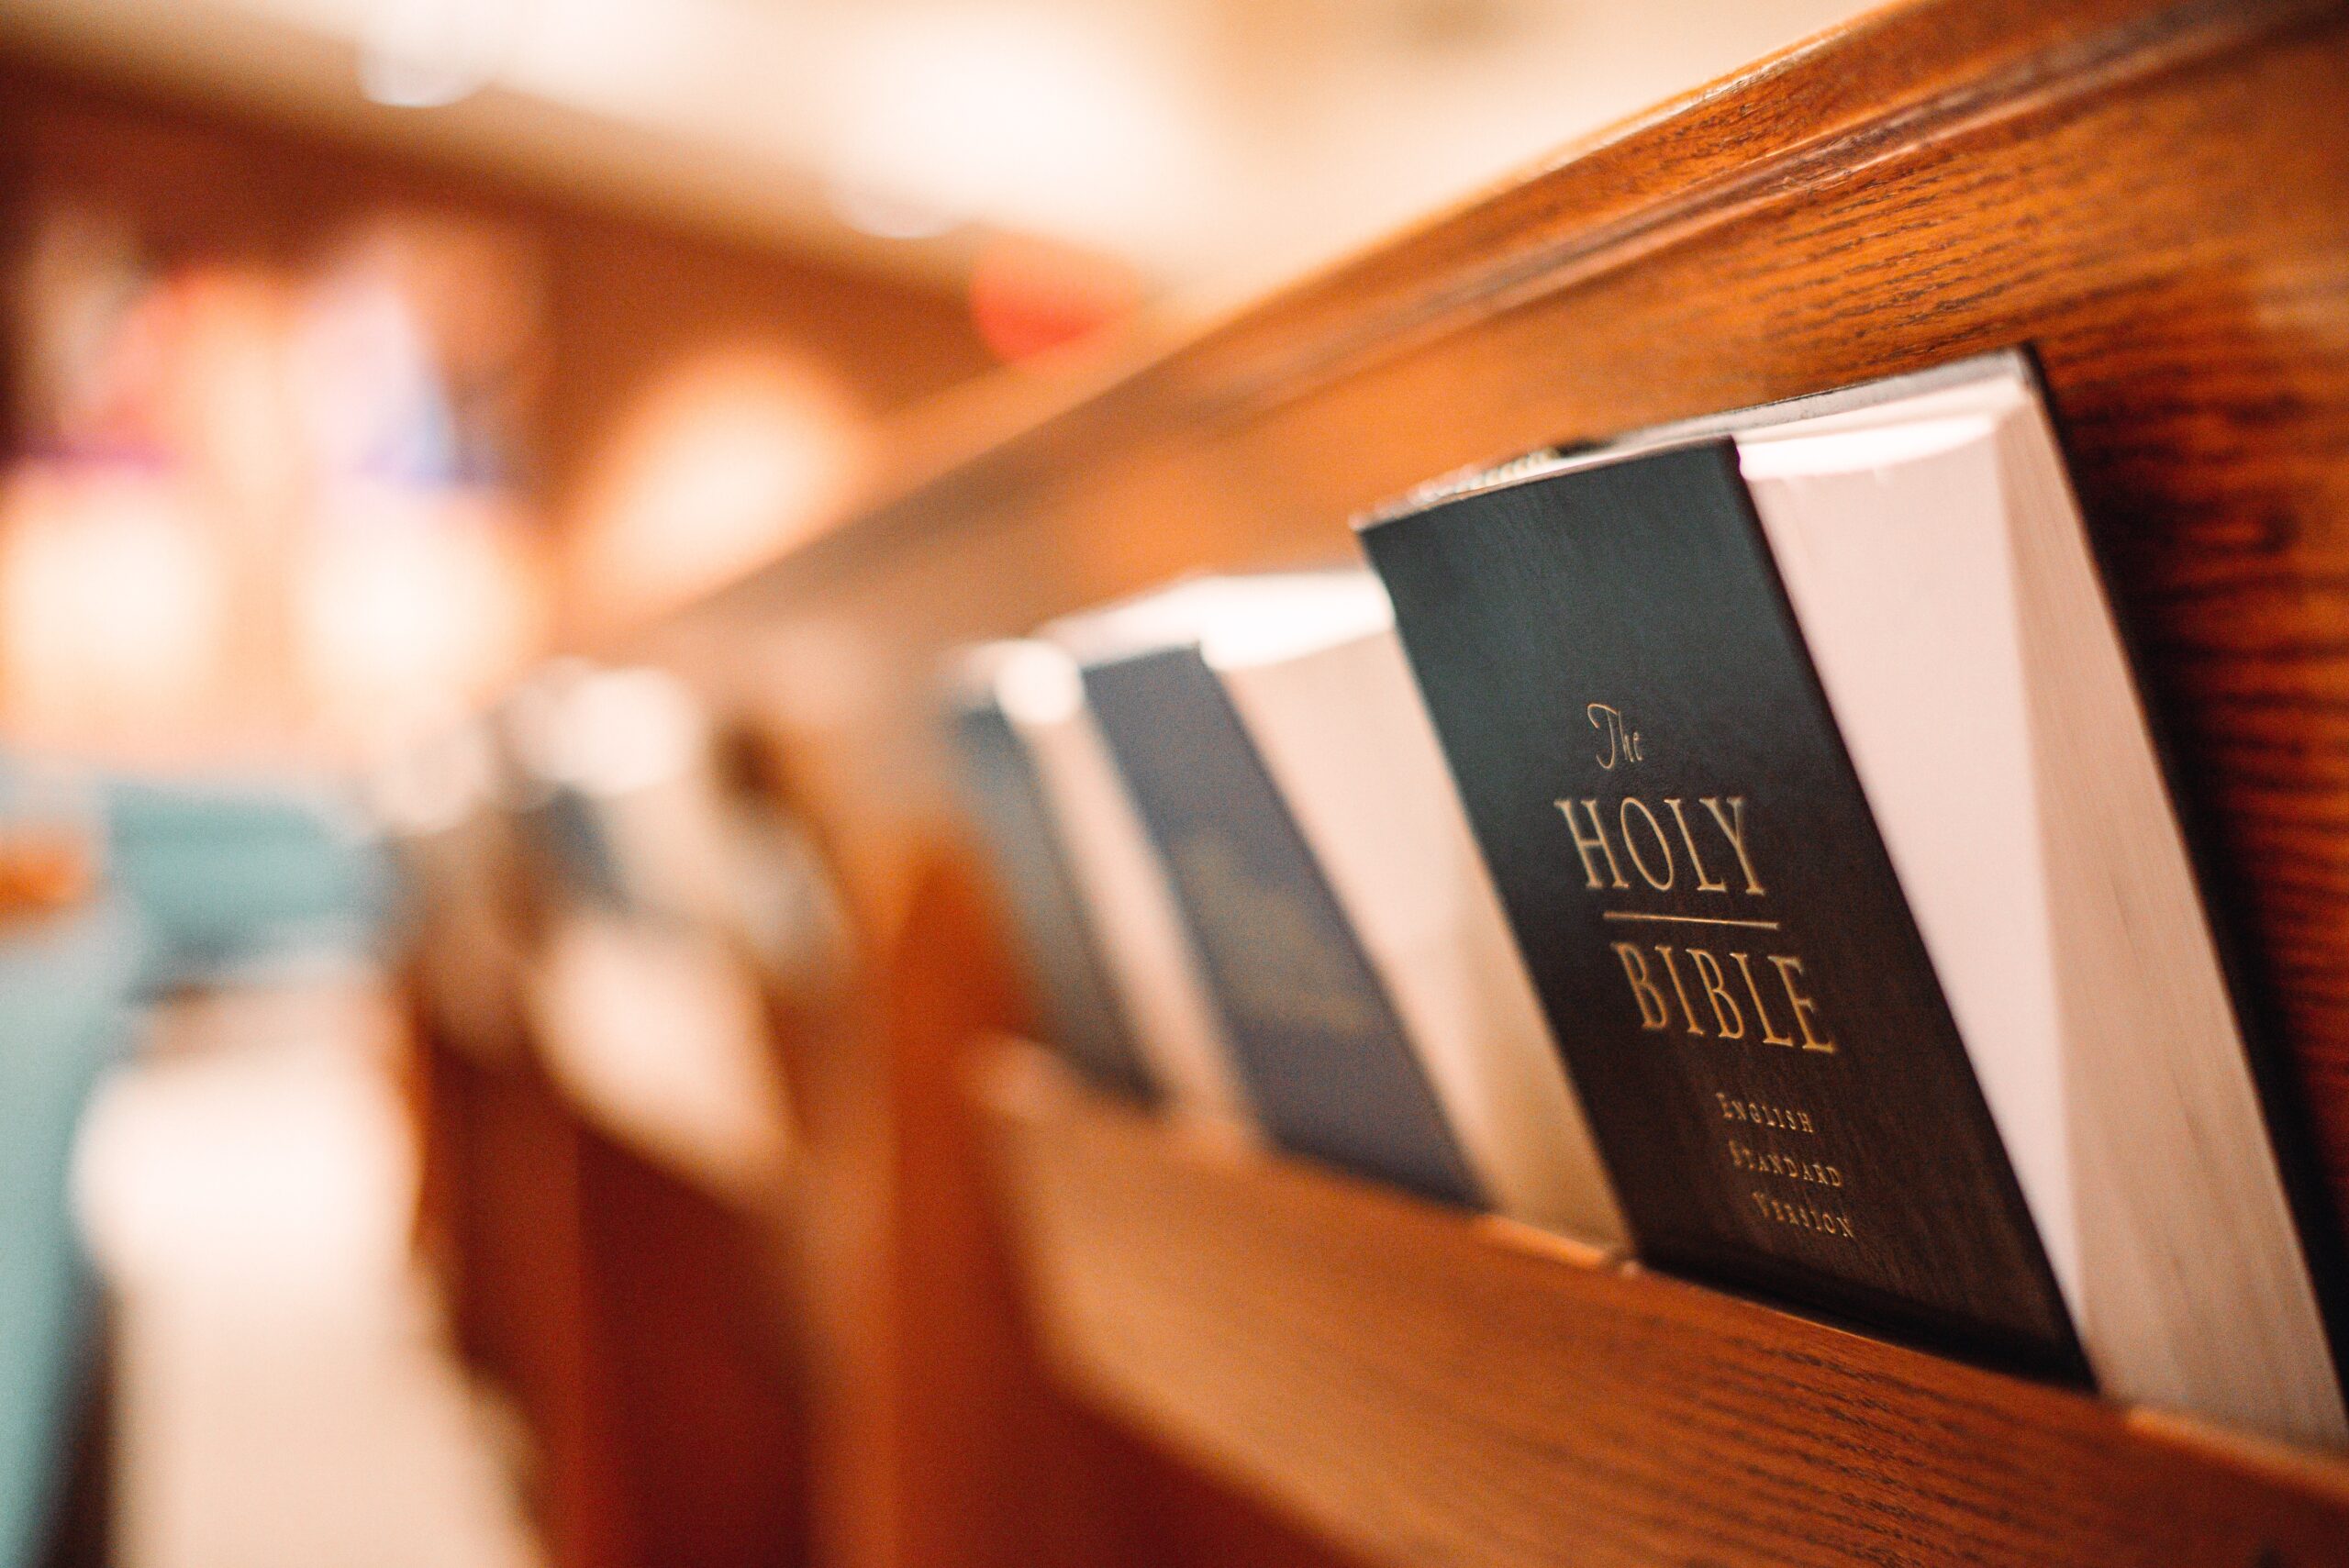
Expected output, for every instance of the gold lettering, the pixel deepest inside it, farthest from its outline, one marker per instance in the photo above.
(1595, 840)
(1803, 1217)
(1653, 1014)
(1805, 1008)
(1632, 847)
(1769, 1031)
(1680, 991)
(1620, 737)
(1785, 1119)
(1733, 823)
(1731, 1025)
(1706, 883)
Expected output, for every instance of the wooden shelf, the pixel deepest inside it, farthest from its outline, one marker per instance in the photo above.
(1425, 1387)
(2154, 195)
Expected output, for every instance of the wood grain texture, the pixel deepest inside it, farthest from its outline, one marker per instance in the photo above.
(1424, 1393)
(2155, 196)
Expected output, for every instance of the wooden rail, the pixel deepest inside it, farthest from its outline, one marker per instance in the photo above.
(1428, 1387)
(2154, 195)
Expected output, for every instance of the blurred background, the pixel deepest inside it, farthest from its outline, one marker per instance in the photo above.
(396, 1124)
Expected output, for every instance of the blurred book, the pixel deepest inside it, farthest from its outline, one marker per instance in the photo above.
(1120, 883)
(1079, 1010)
(1269, 734)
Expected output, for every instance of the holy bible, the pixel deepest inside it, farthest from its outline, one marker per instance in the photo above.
(1803, 750)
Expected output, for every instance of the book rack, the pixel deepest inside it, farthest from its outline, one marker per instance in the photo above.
(1426, 1387)
(2153, 194)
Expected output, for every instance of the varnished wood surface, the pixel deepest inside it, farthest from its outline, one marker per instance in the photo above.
(945, 1443)
(2155, 196)
(1429, 1388)
(700, 1401)
(629, 1313)
(629, 1309)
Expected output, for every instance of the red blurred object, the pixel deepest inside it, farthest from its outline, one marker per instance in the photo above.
(1029, 295)
(43, 870)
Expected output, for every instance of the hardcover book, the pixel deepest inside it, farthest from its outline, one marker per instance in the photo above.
(1079, 1011)
(1272, 738)
(1317, 1039)
(1123, 887)
(1805, 755)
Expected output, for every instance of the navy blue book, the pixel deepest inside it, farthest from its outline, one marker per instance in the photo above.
(1324, 1056)
(1079, 1012)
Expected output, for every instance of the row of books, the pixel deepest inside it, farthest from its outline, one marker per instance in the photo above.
(1742, 844)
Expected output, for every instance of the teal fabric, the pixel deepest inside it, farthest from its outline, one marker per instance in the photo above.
(65, 987)
(205, 883)
(232, 875)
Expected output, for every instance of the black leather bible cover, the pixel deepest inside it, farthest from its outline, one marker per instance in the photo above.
(1314, 1034)
(1705, 903)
